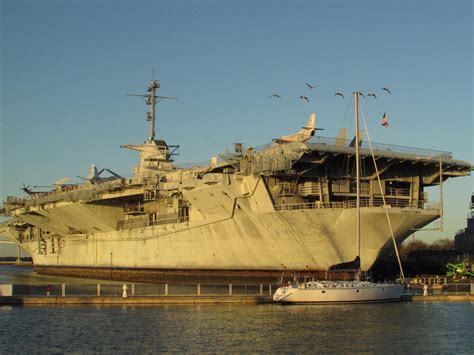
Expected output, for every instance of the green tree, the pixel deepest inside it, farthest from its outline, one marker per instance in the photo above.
(407, 248)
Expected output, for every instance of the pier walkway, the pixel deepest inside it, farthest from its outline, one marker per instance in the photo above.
(134, 300)
(161, 294)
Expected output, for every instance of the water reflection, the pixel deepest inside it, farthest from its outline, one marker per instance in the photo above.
(376, 328)
(404, 327)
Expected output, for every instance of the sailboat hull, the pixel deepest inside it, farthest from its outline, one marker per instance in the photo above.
(334, 292)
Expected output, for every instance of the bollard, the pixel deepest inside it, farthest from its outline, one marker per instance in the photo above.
(425, 290)
(230, 289)
(98, 290)
(63, 290)
(124, 293)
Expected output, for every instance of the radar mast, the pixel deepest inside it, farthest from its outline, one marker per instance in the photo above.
(150, 100)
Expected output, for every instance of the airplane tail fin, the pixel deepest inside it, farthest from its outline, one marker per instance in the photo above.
(311, 121)
(303, 134)
(93, 172)
(361, 137)
(341, 137)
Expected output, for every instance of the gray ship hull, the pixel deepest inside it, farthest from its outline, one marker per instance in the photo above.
(256, 247)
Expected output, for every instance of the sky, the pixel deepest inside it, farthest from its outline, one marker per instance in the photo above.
(67, 65)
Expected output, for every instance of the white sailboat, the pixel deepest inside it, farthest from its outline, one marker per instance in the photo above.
(356, 291)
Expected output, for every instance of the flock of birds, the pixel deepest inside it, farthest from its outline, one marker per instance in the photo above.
(311, 87)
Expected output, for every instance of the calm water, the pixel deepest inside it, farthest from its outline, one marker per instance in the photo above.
(379, 328)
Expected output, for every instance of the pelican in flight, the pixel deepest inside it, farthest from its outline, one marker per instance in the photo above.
(311, 87)
(372, 95)
(304, 98)
(275, 95)
(340, 94)
(387, 90)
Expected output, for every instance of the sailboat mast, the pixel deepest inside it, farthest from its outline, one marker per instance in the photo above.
(356, 110)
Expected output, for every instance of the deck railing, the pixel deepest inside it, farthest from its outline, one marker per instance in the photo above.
(377, 202)
(392, 191)
(76, 192)
(383, 147)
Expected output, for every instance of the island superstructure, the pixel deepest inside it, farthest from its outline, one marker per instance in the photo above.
(288, 206)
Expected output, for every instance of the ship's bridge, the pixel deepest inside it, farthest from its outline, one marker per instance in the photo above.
(154, 155)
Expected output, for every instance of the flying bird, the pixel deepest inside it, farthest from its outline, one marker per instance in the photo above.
(304, 98)
(340, 94)
(372, 95)
(361, 94)
(387, 90)
(275, 95)
(311, 87)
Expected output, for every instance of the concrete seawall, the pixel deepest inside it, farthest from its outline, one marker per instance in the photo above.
(134, 300)
(186, 299)
(443, 298)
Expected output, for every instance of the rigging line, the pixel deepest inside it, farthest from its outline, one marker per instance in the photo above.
(383, 198)
(349, 105)
(362, 108)
(388, 109)
(346, 161)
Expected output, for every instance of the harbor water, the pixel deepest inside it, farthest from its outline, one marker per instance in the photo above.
(431, 327)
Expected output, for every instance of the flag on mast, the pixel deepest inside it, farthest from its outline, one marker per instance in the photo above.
(384, 121)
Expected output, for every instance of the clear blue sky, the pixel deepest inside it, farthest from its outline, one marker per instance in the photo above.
(67, 65)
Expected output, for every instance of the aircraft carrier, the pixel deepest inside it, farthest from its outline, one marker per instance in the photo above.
(252, 213)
